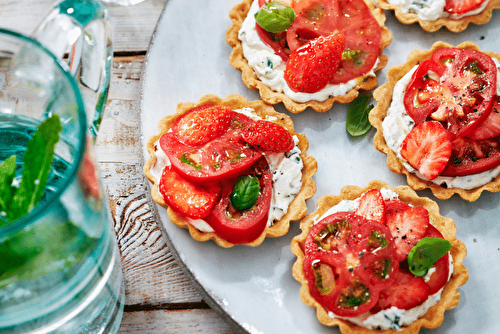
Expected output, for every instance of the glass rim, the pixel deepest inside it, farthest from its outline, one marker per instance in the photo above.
(31, 216)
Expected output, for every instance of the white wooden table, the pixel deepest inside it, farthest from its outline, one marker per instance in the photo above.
(159, 298)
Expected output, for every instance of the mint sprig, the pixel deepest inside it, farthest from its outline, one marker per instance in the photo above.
(18, 201)
(425, 253)
(275, 17)
(357, 122)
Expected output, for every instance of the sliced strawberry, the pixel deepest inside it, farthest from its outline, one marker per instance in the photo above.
(189, 199)
(461, 6)
(202, 125)
(427, 148)
(372, 206)
(407, 227)
(313, 65)
(407, 292)
(268, 136)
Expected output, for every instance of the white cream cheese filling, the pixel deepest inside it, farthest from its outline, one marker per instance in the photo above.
(270, 68)
(286, 171)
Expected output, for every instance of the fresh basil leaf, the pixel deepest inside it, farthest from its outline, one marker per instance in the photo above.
(37, 161)
(275, 17)
(357, 122)
(7, 173)
(245, 192)
(425, 253)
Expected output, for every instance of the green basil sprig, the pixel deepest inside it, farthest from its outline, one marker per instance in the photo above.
(357, 122)
(275, 17)
(245, 192)
(425, 253)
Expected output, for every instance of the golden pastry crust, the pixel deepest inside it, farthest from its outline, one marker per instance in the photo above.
(450, 296)
(451, 24)
(383, 97)
(238, 61)
(297, 208)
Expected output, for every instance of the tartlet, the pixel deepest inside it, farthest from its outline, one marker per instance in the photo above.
(296, 209)
(454, 25)
(383, 95)
(434, 315)
(250, 79)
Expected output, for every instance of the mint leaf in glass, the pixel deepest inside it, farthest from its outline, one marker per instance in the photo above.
(357, 122)
(7, 173)
(425, 253)
(275, 17)
(245, 192)
(37, 161)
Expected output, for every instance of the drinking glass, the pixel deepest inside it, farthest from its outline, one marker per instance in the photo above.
(60, 267)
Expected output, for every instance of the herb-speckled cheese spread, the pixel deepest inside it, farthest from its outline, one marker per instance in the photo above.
(431, 10)
(270, 68)
(397, 124)
(392, 318)
(286, 169)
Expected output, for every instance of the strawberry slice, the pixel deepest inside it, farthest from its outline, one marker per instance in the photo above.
(312, 66)
(407, 292)
(407, 227)
(189, 199)
(461, 6)
(427, 148)
(268, 136)
(201, 125)
(372, 206)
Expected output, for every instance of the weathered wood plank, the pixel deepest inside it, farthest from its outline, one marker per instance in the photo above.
(132, 26)
(152, 277)
(183, 322)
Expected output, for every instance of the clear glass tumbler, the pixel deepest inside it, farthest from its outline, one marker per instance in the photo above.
(60, 267)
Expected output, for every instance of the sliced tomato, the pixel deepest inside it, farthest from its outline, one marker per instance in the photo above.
(441, 267)
(456, 87)
(470, 157)
(348, 260)
(216, 160)
(277, 42)
(461, 6)
(408, 292)
(240, 227)
(187, 198)
(490, 127)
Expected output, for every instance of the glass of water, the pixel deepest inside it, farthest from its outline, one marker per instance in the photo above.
(59, 262)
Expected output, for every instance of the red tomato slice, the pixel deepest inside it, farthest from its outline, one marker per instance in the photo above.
(490, 127)
(456, 87)
(217, 160)
(243, 227)
(348, 260)
(441, 269)
(470, 157)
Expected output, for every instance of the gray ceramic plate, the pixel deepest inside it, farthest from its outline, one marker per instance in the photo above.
(253, 288)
